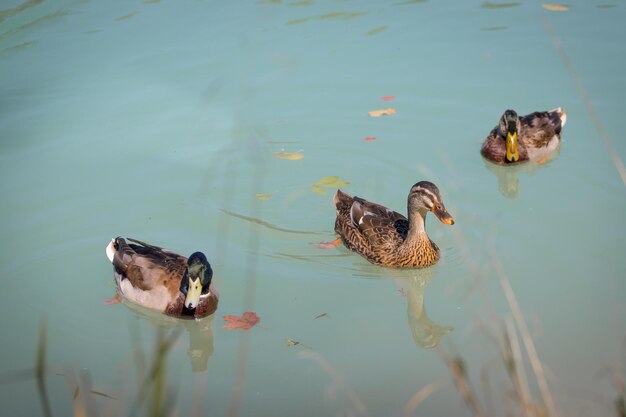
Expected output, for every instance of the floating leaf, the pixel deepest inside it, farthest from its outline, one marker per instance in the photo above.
(369, 139)
(318, 190)
(247, 321)
(387, 98)
(321, 315)
(292, 342)
(332, 182)
(262, 196)
(376, 31)
(382, 112)
(116, 299)
(491, 5)
(327, 245)
(555, 7)
(127, 16)
(292, 156)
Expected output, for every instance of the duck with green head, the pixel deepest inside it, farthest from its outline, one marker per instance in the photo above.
(162, 280)
(525, 138)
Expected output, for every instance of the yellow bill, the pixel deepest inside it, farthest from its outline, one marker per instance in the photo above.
(193, 293)
(512, 155)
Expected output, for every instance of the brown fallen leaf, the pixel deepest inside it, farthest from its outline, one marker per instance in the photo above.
(387, 98)
(369, 138)
(244, 322)
(382, 112)
(292, 156)
(555, 7)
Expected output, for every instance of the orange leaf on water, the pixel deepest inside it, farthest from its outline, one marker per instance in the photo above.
(382, 112)
(244, 322)
(387, 98)
(115, 300)
(369, 138)
(328, 245)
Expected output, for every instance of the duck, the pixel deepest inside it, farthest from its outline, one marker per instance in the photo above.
(387, 238)
(162, 280)
(526, 138)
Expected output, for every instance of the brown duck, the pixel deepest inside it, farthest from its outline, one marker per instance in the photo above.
(387, 238)
(162, 280)
(521, 139)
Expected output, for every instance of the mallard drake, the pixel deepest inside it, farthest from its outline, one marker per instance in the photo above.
(162, 280)
(520, 139)
(387, 238)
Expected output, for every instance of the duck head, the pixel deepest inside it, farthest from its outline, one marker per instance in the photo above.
(196, 280)
(424, 196)
(509, 129)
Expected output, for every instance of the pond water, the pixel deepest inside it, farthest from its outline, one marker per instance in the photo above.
(160, 120)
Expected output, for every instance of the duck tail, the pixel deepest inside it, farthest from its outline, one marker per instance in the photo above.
(561, 114)
(111, 249)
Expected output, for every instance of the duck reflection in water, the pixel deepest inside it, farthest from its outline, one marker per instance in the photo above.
(509, 175)
(199, 331)
(426, 333)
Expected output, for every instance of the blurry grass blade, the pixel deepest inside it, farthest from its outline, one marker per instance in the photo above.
(321, 315)
(40, 368)
(421, 395)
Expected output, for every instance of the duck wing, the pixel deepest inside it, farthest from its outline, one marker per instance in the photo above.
(148, 267)
(539, 128)
(377, 223)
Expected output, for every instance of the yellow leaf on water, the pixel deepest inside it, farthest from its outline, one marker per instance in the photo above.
(292, 342)
(262, 196)
(555, 7)
(332, 181)
(318, 190)
(292, 156)
(382, 112)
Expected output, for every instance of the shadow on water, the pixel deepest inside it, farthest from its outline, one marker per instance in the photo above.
(509, 176)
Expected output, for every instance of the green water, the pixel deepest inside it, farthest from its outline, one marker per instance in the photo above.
(159, 120)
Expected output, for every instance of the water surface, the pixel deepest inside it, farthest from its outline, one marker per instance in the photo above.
(159, 120)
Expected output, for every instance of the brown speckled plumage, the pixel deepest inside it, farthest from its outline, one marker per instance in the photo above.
(152, 277)
(539, 133)
(385, 237)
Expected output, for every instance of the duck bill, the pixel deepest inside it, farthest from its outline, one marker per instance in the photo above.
(193, 293)
(443, 215)
(512, 154)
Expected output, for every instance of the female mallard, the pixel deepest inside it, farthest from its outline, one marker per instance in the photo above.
(162, 280)
(520, 139)
(387, 238)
